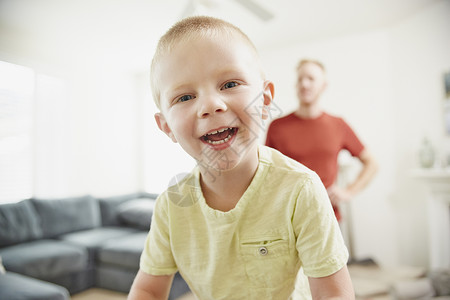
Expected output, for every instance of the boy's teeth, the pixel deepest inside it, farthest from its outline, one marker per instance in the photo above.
(220, 136)
(220, 142)
(218, 131)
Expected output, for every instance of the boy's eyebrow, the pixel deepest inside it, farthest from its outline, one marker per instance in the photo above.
(179, 87)
(231, 71)
(224, 72)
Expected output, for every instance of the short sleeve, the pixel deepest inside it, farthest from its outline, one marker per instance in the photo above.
(157, 258)
(351, 141)
(319, 242)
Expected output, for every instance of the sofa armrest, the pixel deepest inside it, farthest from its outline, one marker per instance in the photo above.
(136, 213)
(110, 207)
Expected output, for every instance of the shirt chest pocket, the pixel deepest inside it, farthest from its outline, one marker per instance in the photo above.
(269, 261)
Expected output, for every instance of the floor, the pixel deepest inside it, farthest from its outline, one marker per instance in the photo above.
(101, 294)
(369, 281)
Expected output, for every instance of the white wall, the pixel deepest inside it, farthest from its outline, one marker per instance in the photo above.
(421, 54)
(388, 85)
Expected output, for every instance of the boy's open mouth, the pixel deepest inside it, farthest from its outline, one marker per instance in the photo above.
(220, 136)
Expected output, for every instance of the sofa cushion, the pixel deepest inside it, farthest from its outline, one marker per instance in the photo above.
(119, 279)
(94, 238)
(18, 223)
(14, 286)
(136, 213)
(124, 252)
(66, 215)
(114, 278)
(44, 259)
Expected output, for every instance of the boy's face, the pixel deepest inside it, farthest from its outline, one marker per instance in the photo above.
(212, 100)
(311, 83)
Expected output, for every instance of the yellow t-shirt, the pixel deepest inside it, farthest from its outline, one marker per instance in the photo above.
(282, 222)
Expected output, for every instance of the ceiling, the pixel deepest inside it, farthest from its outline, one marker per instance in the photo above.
(126, 31)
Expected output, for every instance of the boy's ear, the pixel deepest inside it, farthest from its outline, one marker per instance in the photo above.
(162, 124)
(268, 94)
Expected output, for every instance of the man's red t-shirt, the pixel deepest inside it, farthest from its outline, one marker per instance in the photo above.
(315, 143)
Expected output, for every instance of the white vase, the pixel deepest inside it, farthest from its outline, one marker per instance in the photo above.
(426, 154)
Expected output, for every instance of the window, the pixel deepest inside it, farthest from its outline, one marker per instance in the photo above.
(16, 119)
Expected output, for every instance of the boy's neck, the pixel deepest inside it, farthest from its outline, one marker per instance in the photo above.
(222, 190)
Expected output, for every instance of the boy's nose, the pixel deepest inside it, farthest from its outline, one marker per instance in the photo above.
(210, 105)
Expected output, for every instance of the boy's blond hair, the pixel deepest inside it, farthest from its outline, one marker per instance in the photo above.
(303, 62)
(186, 29)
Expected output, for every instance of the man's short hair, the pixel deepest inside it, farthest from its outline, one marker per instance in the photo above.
(303, 62)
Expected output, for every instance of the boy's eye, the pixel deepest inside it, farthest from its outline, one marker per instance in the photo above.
(230, 85)
(185, 98)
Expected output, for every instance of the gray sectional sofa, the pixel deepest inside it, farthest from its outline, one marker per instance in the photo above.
(56, 247)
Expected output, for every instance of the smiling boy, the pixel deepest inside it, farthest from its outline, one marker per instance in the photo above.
(245, 220)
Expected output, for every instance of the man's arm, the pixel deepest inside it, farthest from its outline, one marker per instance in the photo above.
(150, 287)
(335, 286)
(369, 168)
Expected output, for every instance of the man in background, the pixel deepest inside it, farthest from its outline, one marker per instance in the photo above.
(314, 138)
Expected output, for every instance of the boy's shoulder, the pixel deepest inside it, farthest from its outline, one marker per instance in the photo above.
(184, 189)
(286, 175)
(282, 163)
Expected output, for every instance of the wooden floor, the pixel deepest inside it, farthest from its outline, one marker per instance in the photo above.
(99, 294)
(102, 294)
